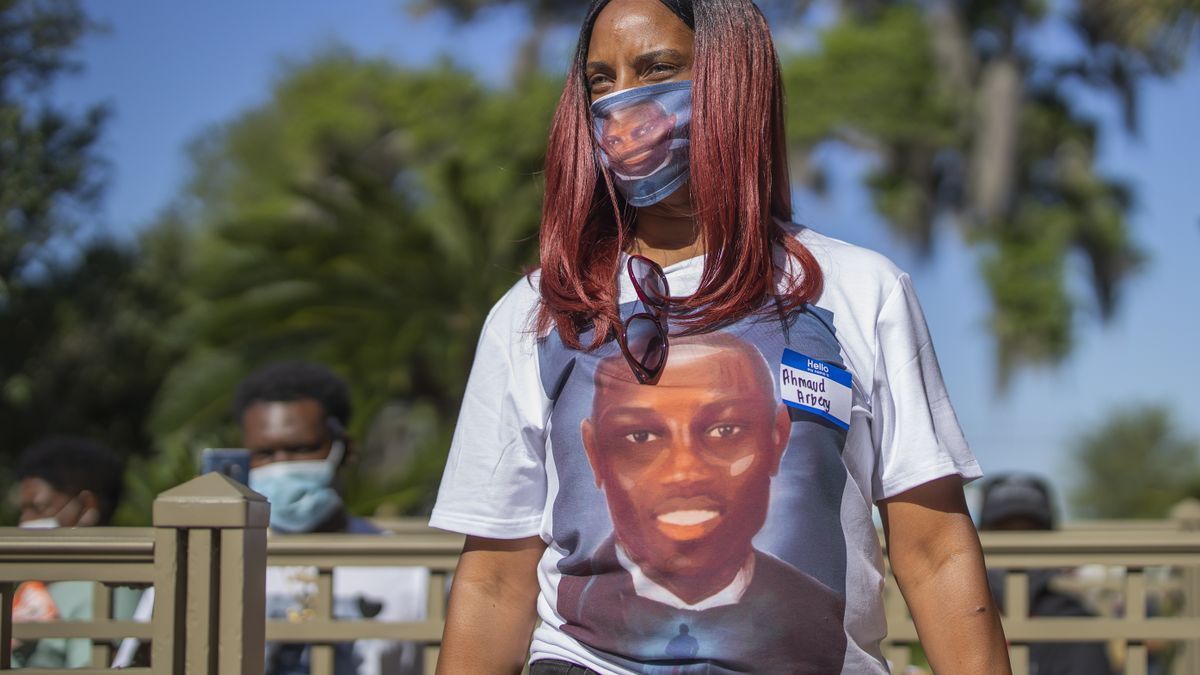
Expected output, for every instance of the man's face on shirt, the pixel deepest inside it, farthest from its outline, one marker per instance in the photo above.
(686, 464)
(635, 139)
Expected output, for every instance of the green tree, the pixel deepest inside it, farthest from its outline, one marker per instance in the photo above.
(366, 217)
(80, 350)
(973, 127)
(49, 170)
(1135, 465)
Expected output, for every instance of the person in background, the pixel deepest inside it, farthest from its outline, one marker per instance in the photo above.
(1022, 502)
(65, 482)
(293, 418)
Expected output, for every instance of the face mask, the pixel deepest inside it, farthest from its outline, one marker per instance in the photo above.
(301, 493)
(642, 135)
(40, 524)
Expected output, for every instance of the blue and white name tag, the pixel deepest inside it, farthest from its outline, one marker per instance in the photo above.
(815, 386)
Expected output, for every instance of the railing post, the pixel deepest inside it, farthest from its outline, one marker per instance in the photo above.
(1187, 515)
(1016, 610)
(102, 595)
(210, 561)
(435, 610)
(6, 624)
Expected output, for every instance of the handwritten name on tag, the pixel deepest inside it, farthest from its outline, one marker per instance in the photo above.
(815, 386)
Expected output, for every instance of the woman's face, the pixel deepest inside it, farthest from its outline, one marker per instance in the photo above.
(635, 43)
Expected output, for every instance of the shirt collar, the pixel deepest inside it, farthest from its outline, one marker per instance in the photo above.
(647, 588)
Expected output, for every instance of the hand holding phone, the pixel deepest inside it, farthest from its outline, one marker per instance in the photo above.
(232, 462)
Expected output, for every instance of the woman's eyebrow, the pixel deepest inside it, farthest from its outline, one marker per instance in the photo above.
(642, 60)
(650, 58)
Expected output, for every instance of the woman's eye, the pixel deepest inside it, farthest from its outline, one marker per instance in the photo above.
(640, 437)
(642, 130)
(662, 69)
(598, 81)
(724, 431)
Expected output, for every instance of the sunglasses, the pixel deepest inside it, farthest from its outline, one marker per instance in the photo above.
(643, 336)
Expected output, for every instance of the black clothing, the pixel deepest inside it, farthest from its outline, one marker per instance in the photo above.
(1055, 658)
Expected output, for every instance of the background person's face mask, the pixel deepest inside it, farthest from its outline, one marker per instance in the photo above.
(301, 493)
(642, 134)
(40, 524)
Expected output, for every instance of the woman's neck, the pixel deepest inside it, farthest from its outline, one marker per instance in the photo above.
(666, 233)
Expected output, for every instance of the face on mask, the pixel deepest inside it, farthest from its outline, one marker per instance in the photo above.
(301, 492)
(642, 136)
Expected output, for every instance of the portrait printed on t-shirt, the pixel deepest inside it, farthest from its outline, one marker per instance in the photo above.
(700, 517)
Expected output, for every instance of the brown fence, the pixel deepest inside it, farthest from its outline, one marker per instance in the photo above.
(204, 556)
(1132, 570)
(208, 551)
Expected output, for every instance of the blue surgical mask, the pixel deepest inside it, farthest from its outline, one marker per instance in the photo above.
(642, 136)
(301, 493)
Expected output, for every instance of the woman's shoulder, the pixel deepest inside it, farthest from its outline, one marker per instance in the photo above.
(516, 311)
(848, 266)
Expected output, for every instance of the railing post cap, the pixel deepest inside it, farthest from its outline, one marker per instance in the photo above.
(212, 500)
(1187, 512)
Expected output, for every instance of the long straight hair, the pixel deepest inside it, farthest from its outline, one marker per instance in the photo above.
(740, 190)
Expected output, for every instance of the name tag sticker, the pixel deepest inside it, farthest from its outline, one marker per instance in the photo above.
(815, 386)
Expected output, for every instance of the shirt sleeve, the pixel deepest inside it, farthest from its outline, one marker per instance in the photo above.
(914, 428)
(494, 483)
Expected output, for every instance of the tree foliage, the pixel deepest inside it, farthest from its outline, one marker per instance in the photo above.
(80, 347)
(80, 351)
(972, 127)
(367, 217)
(50, 168)
(1135, 465)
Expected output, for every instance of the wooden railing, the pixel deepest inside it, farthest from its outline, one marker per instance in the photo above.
(205, 557)
(208, 551)
(418, 546)
(1125, 554)
(111, 557)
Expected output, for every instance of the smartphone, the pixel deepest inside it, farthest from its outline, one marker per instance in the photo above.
(233, 462)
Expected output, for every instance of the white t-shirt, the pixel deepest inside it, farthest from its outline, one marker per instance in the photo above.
(720, 520)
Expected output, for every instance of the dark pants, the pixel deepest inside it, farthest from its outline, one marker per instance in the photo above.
(556, 667)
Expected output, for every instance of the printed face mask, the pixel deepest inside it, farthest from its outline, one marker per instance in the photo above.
(642, 135)
(301, 493)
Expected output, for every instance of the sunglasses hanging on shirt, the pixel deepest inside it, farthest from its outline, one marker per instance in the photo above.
(643, 337)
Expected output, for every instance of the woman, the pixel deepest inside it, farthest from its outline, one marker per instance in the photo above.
(675, 431)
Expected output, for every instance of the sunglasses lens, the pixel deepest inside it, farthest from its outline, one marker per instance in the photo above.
(649, 277)
(646, 343)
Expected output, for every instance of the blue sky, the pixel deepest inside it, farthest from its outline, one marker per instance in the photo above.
(170, 70)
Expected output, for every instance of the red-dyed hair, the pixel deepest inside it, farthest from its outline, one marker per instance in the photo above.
(739, 186)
